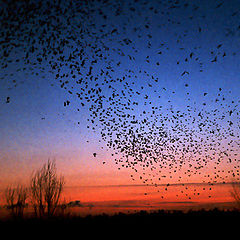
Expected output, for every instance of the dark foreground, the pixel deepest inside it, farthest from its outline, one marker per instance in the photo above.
(214, 224)
(141, 218)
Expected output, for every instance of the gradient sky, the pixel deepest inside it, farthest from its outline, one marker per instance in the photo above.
(150, 44)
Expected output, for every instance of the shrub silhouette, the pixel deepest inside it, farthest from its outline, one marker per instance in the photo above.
(16, 200)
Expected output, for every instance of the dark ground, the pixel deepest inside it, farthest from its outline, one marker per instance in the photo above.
(141, 218)
(203, 224)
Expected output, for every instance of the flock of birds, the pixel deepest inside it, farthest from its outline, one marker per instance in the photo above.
(110, 56)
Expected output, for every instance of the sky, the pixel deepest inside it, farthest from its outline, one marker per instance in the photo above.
(120, 92)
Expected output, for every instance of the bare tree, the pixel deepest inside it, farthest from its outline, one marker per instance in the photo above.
(10, 195)
(16, 200)
(46, 188)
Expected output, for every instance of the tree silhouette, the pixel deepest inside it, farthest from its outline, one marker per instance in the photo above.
(16, 200)
(46, 188)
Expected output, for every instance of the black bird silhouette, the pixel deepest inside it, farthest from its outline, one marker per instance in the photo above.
(185, 72)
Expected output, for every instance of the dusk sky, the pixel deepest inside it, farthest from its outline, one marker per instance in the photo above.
(120, 92)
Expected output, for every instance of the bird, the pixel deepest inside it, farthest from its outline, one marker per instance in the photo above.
(185, 72)
(215, 59)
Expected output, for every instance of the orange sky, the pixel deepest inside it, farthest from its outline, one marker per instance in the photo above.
(90, 181)
(125, 198)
